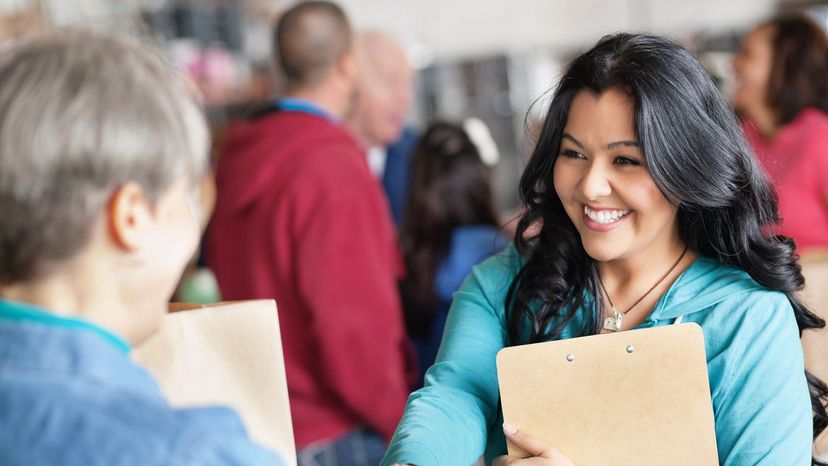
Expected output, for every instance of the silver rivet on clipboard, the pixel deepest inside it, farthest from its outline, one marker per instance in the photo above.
(630, 349)
(570, 357)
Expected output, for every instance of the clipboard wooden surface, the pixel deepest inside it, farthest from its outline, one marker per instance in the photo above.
(227, 354)
(637, 397)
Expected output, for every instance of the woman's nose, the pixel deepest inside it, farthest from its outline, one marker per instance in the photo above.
(595, 183)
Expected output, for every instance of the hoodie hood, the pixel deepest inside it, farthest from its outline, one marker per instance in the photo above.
(259, 152)
(702, 285)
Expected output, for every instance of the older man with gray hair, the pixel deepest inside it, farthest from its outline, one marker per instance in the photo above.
(101, 153)
(385, 94)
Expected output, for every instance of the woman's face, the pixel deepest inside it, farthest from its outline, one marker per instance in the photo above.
(604, 185)
(752, 68)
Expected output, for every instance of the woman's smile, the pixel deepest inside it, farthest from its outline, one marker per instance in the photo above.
(604, 219)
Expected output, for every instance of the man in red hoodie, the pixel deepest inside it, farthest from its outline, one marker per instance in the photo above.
(299, 218)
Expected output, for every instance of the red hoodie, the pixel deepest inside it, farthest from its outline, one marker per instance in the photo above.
(300, 218)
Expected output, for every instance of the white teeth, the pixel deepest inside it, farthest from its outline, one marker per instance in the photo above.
(605, 217)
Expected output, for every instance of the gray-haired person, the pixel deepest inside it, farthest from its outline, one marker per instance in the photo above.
(101, 151)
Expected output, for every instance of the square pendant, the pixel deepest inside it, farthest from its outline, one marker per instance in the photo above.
(612, 324)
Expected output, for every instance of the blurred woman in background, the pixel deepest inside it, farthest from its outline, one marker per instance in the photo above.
(450, 225)
(782, 94)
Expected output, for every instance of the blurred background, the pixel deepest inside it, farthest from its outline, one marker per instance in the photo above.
(491, 60)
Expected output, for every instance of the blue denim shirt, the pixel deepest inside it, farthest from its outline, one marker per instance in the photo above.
(69, 395)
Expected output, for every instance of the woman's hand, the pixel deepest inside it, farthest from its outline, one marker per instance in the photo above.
(542, 454)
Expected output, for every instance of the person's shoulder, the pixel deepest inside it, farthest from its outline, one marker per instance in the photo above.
(470, 245)
(289, 128)
(727, 298)
(712, 289)
(404, 145)
(734, 283)
(735, 313)
(760, 303)
(482, 240)
(330, 142)
(812, 124)
(814, 117)
(100, 407)
(324, 153)
(721, 274)
(508, 262)
(312, 130)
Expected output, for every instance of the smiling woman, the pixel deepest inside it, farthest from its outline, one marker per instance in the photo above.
(604, 184)
(628, 218)
(623, 219)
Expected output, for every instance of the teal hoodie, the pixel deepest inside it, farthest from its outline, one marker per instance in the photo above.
(758, 388)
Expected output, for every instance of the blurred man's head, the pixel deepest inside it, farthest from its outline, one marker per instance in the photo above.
(101, 150)
(313, 44)
(385, 90)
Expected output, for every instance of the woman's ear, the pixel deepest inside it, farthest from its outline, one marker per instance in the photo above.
(129, 217)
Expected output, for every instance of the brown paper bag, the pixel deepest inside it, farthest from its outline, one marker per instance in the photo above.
(228, 354)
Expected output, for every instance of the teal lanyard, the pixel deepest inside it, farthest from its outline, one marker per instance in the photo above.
(292, 104)
(23, 312)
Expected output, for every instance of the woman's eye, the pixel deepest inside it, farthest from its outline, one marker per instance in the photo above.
(572, 154)
(626, 161)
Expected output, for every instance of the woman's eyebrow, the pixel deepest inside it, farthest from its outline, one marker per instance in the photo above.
(615, 144)
(611, 145)
(572, 138)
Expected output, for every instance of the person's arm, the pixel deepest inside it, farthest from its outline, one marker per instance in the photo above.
(346, 279)
(447, 422)
(763, 416)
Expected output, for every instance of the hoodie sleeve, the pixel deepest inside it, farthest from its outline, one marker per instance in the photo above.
(763, 413)
(448, 422)
(347, 269)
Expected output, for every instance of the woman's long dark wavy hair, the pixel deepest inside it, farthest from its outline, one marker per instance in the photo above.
(450, 187)
(698, 158)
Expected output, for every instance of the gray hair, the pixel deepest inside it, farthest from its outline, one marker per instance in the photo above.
(82, 113)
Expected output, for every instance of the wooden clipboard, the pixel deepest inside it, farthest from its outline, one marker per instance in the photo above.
(638, 397)
(226, 354)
